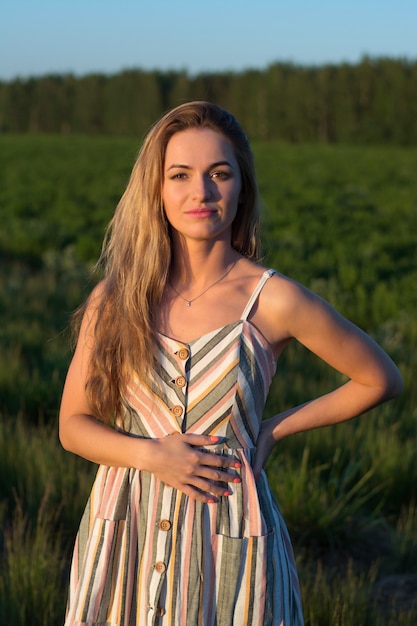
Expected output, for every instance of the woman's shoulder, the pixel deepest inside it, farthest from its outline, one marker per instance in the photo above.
(89, 310)
(285, 293)
(97, 295)
(280, 302)
(98, 290)
(278, 290)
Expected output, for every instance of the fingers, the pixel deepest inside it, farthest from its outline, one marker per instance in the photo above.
(201, 440)
(202, 474)
(203, 489)
(222, 461)
(213, 457)
(202, 495)
(215, 472)
(216, 480)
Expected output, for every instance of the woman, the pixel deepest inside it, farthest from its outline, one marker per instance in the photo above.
(176, 351)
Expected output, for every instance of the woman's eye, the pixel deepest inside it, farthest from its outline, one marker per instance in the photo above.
(178, 176)
(220, 174)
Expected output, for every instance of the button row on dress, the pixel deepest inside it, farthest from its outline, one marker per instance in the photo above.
(183, 353)
(160, 567)
(177, 410)
(165, 524)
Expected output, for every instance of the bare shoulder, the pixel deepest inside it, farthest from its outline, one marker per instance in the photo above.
(285, 309)
(94, 301)
(282, 296)
(88, 314)
(96, 296)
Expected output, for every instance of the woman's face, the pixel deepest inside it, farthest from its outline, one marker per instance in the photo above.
(201, 184)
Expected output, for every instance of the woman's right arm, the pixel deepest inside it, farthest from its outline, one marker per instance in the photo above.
(175, 460)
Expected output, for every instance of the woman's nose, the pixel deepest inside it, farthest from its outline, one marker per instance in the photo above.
(202, 188)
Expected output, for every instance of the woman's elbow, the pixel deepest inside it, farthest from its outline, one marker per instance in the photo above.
(394, 384)
(66, 429)
(63, 435)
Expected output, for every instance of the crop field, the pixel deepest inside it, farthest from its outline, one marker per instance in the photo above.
(340, 219)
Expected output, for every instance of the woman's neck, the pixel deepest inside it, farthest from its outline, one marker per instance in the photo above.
(202, 265)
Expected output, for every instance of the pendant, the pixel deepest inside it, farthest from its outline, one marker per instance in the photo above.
(188, 303)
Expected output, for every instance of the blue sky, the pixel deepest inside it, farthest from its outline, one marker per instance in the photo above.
(82, 36)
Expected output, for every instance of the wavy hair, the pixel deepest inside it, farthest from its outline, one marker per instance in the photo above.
(136, 256)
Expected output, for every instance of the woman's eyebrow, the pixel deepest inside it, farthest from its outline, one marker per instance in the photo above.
(188, 167)
(179, 165)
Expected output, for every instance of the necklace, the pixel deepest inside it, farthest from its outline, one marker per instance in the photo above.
(188, 301)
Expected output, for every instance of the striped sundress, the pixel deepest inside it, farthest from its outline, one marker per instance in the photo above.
(147, 554)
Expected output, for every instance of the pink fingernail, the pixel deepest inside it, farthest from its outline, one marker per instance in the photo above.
(211, 501)
(236, 480)
(227, 493)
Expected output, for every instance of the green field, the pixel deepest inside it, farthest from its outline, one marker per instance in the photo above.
(340, 219)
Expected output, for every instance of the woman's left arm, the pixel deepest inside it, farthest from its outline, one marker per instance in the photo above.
(373, 377)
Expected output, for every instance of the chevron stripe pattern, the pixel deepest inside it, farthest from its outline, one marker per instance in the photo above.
(145, 553)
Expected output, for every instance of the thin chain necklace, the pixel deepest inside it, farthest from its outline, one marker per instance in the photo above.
(188, 301)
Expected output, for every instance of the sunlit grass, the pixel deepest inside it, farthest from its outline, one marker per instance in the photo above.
(32, 464)
(32, 585)
(337, 219)
(329, 505)
(346, 596)
(43, 490)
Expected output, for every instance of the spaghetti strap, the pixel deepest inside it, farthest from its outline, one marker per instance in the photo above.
(145, 549)
(265, 276)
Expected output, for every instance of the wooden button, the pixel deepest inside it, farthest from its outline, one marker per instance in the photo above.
(183, 353)
(180, 381)
(165, 524)
(160, 567)
(177, 410)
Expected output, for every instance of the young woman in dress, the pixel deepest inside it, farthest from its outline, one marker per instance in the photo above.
(176, 352)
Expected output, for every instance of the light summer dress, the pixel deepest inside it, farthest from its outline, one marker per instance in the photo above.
(146, 554)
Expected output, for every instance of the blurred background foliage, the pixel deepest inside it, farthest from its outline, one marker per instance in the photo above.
(339, 215)
(373, 101)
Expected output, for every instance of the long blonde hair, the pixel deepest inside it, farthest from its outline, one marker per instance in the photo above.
(136, 255)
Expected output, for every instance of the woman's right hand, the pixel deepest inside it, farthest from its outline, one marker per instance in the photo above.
(175, 459)
(178, 461)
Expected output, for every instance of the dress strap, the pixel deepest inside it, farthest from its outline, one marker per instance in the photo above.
(267, 274)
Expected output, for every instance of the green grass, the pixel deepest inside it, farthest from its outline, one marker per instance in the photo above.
(43, 491)
(340, 219)
(32, 563)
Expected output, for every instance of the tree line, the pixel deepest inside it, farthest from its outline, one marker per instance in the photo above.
(372, 101)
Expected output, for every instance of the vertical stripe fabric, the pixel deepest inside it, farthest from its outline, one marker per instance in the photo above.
(146, 554)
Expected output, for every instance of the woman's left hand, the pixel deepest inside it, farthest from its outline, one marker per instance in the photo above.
(264, 446)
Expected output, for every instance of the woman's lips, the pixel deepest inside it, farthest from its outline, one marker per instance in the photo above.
(201, 212)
